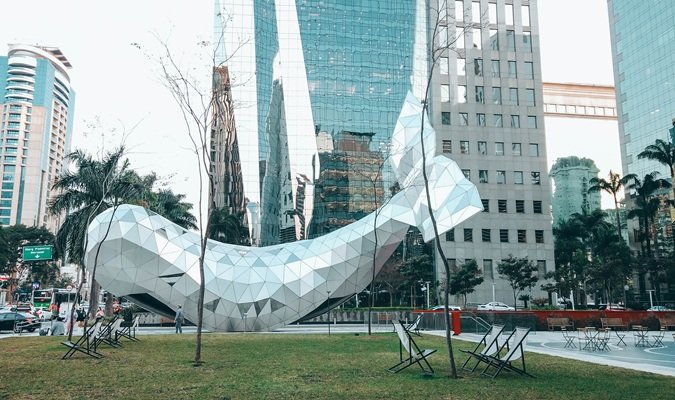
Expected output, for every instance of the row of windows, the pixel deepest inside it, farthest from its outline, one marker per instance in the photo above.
(480, 120)
(490, 273)
(502, 206)
(493, 12)
(518, 177)
(504, 235)
(479, 96)
(495, 68)
(16, 107)
(462, 41)
(516, 148)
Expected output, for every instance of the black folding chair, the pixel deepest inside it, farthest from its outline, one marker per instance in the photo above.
(86, 344)
(491, 346)
(128, 332)
(516, 351)
(414, 327)
(410, 353)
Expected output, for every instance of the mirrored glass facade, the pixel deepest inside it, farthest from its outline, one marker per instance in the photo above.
(643, 39)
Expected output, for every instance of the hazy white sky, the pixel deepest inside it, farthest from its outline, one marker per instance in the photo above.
(118, 92)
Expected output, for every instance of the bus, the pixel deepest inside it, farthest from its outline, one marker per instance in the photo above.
(55, 299)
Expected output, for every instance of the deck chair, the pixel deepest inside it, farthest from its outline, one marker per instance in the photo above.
(85, 344)
(516, 351)
(106, 333)
(490, 343)
(414, 327)
(128, 332)
(658, 338)
(409, 352)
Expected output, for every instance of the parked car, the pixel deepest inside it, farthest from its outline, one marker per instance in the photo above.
(658, 308)
(450, 307)
(611, 307)
(495, 306)
(9, 320)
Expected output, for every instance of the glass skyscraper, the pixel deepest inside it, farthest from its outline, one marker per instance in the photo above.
(643, 40)
(36, 126)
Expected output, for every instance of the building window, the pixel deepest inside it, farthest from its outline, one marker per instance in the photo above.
(487, 269)
(536, 179)
(459, 10)
(492, 12)
(480, 95)
(463, 119)
(529, 97)
(513, 96)
(508, 14)
(482, 148)
(478, 67)
(501, 206)
(482, 176)
(464, 147)
(531, 122)
(486, 236)
(486, 205)
(495, 68)
(497, 121)
(539, 236)
(447, 146)
(541, 268)
(518, 177)
(534, 150)
(468, 235)
(443, 66)
(461, 94)
(504, 235)
(445, 118)
(522, 236)
(459, 35)
(516, 149)
(515, 121)
(525, 15)
(511, 40)
(467, 173)
(499, 148)
(536, 206)
(501, 177)
(494, 39)
(450, 235)
(512, 69)
(461, 66)
(528, 70)
(480, 119)
(445, 93)
(520, 206)
(527, 41)
(496, 95)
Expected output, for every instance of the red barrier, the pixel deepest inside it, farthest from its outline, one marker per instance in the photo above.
(456, 324)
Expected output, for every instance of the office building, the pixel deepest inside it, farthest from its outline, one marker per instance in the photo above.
(571, 177)
(304, 73)
(36, 127)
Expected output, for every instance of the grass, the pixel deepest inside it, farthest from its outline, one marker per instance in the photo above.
(279, 366)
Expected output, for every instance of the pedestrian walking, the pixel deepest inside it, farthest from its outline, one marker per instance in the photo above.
(179, 319)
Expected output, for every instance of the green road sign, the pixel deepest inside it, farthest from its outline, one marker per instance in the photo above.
(37, 253)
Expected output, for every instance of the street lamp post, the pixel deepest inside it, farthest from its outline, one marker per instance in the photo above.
(493, 291)
(328, 313)
(625, 302)
(651, 301)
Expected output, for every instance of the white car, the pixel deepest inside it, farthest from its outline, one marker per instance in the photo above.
(451, 307)
(496, 306)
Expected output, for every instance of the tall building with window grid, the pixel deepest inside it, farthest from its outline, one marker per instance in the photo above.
(488, 112)
(36, 118)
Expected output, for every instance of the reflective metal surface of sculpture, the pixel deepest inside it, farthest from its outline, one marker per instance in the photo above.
(156, 263)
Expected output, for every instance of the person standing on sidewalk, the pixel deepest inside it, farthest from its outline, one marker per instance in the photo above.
(179, 319)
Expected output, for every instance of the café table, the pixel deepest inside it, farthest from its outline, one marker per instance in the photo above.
(640, 335)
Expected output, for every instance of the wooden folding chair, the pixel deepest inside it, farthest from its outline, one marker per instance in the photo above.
(491, 346)
(516, 352)
(409, 352)
(86, 344)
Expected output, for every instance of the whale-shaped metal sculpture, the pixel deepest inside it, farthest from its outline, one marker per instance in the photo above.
(155, 262)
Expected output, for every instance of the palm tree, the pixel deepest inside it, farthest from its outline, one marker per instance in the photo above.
(172, 207)
(646, 206)
(664, 153)
(612, 186)
(92, 188)
(227, 227)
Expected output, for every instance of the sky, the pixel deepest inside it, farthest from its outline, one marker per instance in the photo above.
(120, 99)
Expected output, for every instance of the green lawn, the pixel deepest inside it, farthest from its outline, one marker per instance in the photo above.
(281, 366)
